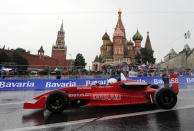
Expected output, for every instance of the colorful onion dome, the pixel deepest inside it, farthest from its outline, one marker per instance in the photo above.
(119, 12)
(118, 32)
(105, 36)
(109, 44)
(137, 36)
(130, 42)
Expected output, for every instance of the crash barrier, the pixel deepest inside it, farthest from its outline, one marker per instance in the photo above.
(14, 84)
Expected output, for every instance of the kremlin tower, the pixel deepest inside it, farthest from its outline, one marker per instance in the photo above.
(59, 50)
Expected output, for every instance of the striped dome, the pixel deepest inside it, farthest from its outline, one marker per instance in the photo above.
(137, 36)
(105, 36)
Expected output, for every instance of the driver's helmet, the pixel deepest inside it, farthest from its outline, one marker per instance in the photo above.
(112, 81)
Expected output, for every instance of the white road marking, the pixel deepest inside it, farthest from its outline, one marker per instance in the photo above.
(183, 90)
(144, 113)
(97, 119)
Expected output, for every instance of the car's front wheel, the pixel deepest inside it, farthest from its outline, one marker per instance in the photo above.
(165, 98)
(57, 101)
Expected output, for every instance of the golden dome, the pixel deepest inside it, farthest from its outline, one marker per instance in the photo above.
(119, 11)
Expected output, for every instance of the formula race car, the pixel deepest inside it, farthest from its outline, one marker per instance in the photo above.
(116, 92)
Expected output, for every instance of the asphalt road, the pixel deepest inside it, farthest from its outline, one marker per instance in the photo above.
(114, 118)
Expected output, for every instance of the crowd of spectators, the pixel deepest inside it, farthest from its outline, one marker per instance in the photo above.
(129, 70)
(141, 70)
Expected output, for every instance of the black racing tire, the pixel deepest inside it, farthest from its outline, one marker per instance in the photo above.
(154, 86)
(57, 101)
(165, 98)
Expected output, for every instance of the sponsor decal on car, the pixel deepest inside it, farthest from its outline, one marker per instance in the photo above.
(104, 86)
(79, 95)
(107, 97)
(84, 88)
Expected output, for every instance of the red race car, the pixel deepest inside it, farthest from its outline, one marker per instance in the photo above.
(122, 92)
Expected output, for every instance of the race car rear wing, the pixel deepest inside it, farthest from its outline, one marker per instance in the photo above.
(133, 84)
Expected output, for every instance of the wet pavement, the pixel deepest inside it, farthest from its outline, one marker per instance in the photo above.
(114, 118)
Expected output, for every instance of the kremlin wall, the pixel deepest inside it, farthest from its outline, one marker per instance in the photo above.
(58, 57)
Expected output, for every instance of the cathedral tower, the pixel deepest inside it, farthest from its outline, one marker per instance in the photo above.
(120, 23)
(119, 40)
(148, 42)
(137, 38)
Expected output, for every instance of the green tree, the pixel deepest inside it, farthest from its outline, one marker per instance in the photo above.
(4, 57)
(21, 61)
(79, 61)
(138, 59)
(20, 50)
(145, 56)
(98, 58)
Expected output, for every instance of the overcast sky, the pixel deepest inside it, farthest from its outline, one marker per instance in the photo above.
(32, 23)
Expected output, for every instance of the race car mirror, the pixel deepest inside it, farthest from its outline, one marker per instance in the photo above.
(130, 84)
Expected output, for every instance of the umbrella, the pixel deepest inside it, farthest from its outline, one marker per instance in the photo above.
(123, 64)
(5, 69)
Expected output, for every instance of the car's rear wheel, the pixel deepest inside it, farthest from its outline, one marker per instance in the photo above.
(57, 101)
(165, 98)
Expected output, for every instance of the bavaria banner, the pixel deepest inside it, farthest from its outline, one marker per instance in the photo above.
(13, 84)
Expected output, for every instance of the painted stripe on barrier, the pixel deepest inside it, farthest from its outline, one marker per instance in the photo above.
(95, 119)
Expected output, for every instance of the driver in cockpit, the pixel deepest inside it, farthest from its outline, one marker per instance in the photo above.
(114, 80)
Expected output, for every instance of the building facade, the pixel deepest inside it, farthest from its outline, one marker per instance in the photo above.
(120, 49)
(179, 61)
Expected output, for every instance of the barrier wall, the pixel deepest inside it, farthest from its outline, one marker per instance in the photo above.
(13, 84)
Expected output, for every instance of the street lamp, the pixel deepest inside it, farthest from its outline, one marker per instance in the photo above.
(187, 35)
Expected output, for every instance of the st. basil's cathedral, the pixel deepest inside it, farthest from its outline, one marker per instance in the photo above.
(120, 49)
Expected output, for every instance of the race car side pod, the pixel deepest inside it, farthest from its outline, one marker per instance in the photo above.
(174, 81)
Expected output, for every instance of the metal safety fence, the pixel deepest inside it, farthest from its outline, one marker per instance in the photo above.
(8, 71)
(11, 71)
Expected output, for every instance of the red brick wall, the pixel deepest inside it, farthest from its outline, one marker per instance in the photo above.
(60, 55)
(35, 61)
